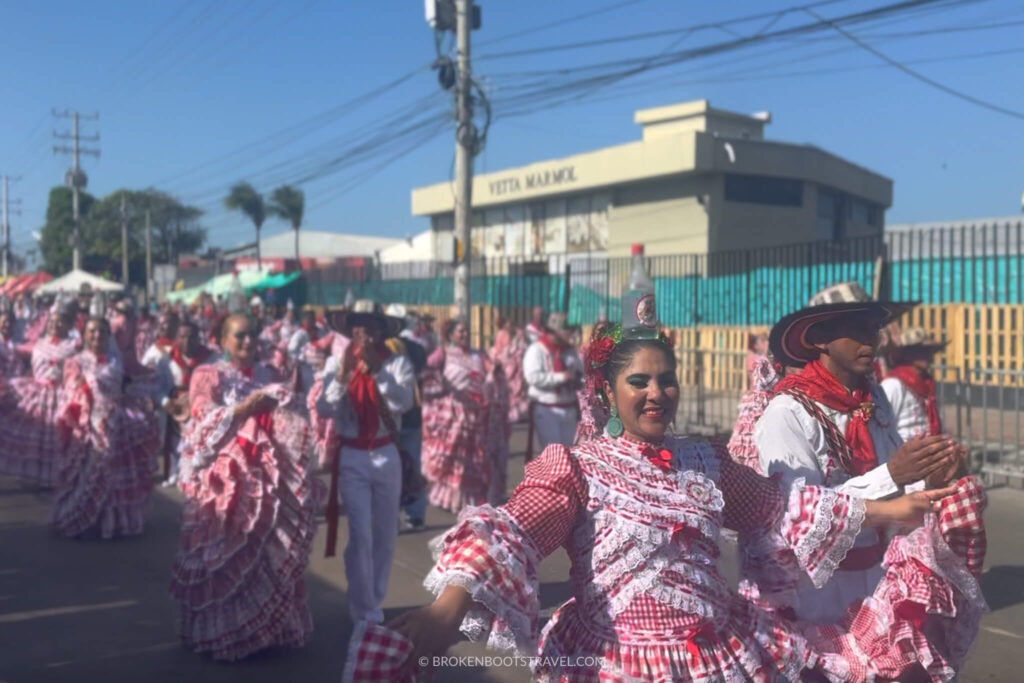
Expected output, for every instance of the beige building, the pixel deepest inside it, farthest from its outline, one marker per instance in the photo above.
(700, 180)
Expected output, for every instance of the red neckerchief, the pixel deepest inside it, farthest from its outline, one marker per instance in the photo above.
(923, 387)
(365, 399)
(819, 385)
(555, 348)
(187, 365)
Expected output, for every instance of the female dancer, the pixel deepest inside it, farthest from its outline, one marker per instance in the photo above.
(508, 351)
(106, 469)
(640, 513)
(465, 424)
(29, 440)
(247, 526)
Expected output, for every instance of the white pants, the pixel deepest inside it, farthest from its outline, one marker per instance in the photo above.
(371, 483)
(554, 425)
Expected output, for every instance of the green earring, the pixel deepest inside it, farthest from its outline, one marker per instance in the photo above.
(614, 426)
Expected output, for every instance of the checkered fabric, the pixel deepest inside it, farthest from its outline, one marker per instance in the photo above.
(961, 523)
(648, 598)
(376, 654)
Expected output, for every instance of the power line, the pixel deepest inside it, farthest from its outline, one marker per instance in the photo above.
(303, 128)
(606, 73)
(538, 28)
(919, 76)
(661, 33)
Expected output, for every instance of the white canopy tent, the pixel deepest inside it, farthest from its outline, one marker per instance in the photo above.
(73, 281)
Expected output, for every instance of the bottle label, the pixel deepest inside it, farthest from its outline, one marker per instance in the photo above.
(646, 313)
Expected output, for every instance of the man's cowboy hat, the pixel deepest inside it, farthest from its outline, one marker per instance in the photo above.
(916, 337)
(365, 310)
(789, 341)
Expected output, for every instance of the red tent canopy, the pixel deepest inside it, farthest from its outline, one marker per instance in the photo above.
(26, 282)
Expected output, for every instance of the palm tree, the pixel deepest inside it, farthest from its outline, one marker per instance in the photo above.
(288, 204)
(244, 197)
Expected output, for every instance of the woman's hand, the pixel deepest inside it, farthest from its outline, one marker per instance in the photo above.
(254, 404)
(907, 511)
(434, 628)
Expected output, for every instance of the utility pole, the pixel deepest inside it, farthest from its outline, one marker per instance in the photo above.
(75, 177)
(465, 142)
(6, 223)
(149, 259)
(124, 242)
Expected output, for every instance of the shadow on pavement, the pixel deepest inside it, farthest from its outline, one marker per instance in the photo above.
(1003, 586)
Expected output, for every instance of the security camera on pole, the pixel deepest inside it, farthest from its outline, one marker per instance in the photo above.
(460, 16)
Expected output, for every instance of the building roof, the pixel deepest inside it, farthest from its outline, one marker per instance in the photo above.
(677, 139)
(314, 243)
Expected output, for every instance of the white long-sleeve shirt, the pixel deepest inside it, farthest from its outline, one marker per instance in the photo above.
(792, 444)
(545, 384)
(396, 382)
(911, 414)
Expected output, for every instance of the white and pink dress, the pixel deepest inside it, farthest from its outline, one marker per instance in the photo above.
(508, 350)
(248, 521)
(465, 429)
(29, 440)
(106, 465)
(763, 378)
(642, 525)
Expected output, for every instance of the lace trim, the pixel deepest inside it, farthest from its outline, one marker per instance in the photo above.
(621, 454)
(617, 577)
(506, 626)
(674, 508)
(204, 451)
(821, 534)
(927, 545)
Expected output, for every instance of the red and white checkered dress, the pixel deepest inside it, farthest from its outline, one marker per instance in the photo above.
(248, 522)
(927, 608)
(107, 466)
(465, 429)
(649, 602)
(29, 440)
(741, 444)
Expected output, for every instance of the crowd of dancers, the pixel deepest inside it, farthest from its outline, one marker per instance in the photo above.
(860, 530)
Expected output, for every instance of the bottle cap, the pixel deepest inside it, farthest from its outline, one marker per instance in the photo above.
(636, 249)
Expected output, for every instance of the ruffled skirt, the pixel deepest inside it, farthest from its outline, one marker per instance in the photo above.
(247, 532)
(105, 479)
(455, 461)
(29, 439)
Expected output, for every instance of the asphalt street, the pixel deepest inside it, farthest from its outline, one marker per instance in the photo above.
(87, 610)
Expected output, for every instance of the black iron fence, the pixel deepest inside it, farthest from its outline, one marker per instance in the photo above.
(937, 265)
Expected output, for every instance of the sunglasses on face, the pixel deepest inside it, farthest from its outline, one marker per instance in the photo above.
(239, 336)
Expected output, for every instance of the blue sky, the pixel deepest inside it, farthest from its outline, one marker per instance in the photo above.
(180, 85)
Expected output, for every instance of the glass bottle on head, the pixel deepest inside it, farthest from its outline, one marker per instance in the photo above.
(639, 314)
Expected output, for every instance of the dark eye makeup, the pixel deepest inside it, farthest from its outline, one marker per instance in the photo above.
(639, 381)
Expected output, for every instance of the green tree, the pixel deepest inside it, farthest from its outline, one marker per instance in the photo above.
(244, 197)
(55, 235)
(175, 226)
(288, 204)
